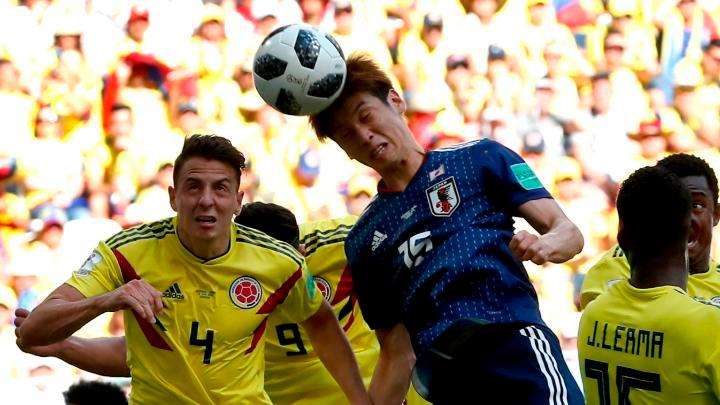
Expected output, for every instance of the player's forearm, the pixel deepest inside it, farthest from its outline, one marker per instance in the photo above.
(334, 351)
(564, 239)
(391, 379)
(56, 319)
(102, 356)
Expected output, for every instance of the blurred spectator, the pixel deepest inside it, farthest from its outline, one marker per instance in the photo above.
(352, 39)
(360, 190)
(601, 144)
(16, 109)
(541, 120)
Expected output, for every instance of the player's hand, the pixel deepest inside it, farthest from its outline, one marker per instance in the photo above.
(526, 246)
(137, 295)
(21, 315)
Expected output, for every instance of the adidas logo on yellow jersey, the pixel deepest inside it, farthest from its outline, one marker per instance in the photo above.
(174, 292)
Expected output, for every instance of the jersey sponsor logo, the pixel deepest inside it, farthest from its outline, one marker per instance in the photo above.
(434, 174)
(324, 288)
(525, 176)
(443, 197)
(245, 292)
(409, 213)
(378, 238)
(174, 292)
(93, 260)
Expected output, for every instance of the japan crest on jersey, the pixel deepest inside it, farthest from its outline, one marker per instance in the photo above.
(443, 197)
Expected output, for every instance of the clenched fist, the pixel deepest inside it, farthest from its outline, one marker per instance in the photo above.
(136, 295)
(526, 246)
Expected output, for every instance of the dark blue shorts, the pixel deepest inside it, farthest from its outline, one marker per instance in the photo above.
(509, 364)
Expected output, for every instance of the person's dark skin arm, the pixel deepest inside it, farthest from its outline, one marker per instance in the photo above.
(333, 349)
(391, 379)
(102, 356)
(559, 240)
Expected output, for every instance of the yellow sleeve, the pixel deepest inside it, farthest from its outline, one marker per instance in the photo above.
(612, 266)
(303, 299)
(709, 351)
(99, 274)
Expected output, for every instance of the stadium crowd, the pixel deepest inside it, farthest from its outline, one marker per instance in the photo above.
(96, 97)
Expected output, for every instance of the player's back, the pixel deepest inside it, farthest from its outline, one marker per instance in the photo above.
(649, 346)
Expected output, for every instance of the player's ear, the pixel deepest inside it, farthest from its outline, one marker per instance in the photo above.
(716, 215)
(396, 101)
(171, 194)
(238, 198)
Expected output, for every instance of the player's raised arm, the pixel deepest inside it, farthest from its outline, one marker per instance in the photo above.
(391, 380)
(102, 356)
(334, 351)
(559, 240)
(66, 310)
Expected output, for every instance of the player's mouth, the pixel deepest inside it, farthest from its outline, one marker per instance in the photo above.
(378, 151)
(206, 221)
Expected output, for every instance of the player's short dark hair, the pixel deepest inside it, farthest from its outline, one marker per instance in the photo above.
(654, 210)
(211, 147)
(684, 165)
(94, 392)
(272, 219)
(363, 75)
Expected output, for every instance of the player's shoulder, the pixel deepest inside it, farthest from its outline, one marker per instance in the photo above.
(314, 235)
(474, 144)
(612, 262)
(256, 240)
(145, 233)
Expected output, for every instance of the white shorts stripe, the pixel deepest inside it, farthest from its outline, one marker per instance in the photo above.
(563, 387)
(552, 399)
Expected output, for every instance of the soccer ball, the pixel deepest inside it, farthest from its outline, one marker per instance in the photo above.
(299, 70)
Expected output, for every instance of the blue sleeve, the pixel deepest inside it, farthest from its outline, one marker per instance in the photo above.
(380, 301)
(515, 183)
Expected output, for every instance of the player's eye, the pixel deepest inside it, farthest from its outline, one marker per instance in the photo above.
(698, 206)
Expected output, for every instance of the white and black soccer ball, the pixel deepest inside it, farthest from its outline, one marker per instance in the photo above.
(299, 70)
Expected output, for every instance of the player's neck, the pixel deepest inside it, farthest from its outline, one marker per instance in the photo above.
(700, 266)
(660, 272)
(399, 175)
(203, 248)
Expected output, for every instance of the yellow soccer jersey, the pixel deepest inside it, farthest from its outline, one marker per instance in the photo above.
(613, 267)
(207, 346)
(294, 374)
(649, 346)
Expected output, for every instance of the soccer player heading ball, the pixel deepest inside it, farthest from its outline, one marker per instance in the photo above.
(435, 262)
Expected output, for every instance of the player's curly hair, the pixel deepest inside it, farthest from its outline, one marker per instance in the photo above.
(654, 210)
(363, 75)
(211, 147)
(684, 165)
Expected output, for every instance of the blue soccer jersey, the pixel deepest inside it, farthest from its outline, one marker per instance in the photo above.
(438, 251)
